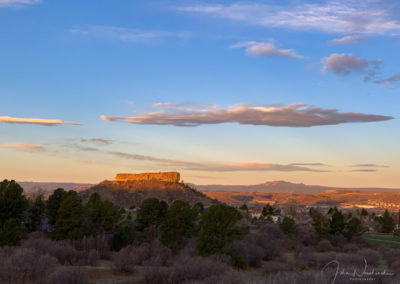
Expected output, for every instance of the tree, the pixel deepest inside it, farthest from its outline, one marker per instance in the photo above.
(353, 228)
(268, 210)
(364, 212)
(244, 207)
(36, 213)
(337, 222)
(53, 204)
(10, 234)
(151, 212)
(12, 202)
(387, 223)
(288, 226)
(218, 228)
(123, 236)
(177, 225)
(70, 220)
(320, 224)
(198, 208)
(101, 216)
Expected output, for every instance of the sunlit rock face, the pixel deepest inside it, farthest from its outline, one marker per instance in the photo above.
(163, 176)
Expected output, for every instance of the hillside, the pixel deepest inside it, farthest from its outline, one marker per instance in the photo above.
(133, 192)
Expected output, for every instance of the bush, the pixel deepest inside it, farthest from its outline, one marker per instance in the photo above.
(245, 254)
(196, 269)
(273, 267)
(350, 248)
(324, 245)
(324, 258)
(64, 253)
(371, 256)
(122, 260)
(157, 275)
(24, 266)
(67, 275)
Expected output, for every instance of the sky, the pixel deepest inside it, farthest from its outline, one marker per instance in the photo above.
(224, 92)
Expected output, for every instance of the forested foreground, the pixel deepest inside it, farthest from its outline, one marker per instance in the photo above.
(63, 240)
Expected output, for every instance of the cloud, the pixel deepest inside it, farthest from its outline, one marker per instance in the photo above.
(369, 166)
(340, 16)
(23, 146)
(350, 39)
(311, 164)
(215, 167)
(97, 141)
(266, 49)
(37, 121)
(364, 170)
(346, 64)
(18, 3)
(389, 81)
(295, 115)
(123, 34)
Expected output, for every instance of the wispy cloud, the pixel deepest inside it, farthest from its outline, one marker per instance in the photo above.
(266, 49)
(369, 166)
(18, 3)
(346, 64)
(295, 115)
(124, 34)
(340, 16)
(350, 39)
(392, 80)
(37, 121)
(215, 167)
(23, 146)
(97, 141)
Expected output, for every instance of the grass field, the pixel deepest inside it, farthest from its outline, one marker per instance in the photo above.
(382, 239)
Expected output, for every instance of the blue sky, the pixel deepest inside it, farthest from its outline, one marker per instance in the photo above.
(222, 91)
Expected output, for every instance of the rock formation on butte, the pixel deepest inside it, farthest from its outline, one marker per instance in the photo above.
(131, 189)
(165, 176)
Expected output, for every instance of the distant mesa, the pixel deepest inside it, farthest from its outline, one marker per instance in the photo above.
(161, 176)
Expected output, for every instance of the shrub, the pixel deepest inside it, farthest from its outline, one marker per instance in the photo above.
(67, 275)
(350, 248)
(64, 253)
(272, 267)
(157, 275)
(371, 256)
(324, 258)
(245, 254)
(196, 269)
(24, 266)
(324, 245)
(122, 260)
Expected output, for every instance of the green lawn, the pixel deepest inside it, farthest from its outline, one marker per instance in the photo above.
(382, 239)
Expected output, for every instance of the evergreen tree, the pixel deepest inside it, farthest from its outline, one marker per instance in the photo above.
(353, 228)
(364, 212)
(387, 223)
(53, 204)
(151, 212)
(101, 216)
(218, 228)
(10, 234)
(123, 236)
(288, 226)
(70, 220)
(177, 225)
(268, 210)
(321, 225)
(36, 214)
(337, 222)
(12, 202)
(198, 208)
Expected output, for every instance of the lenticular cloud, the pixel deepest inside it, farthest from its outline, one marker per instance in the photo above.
(295, 115)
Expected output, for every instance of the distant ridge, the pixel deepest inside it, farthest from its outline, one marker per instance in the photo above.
(284, 187)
